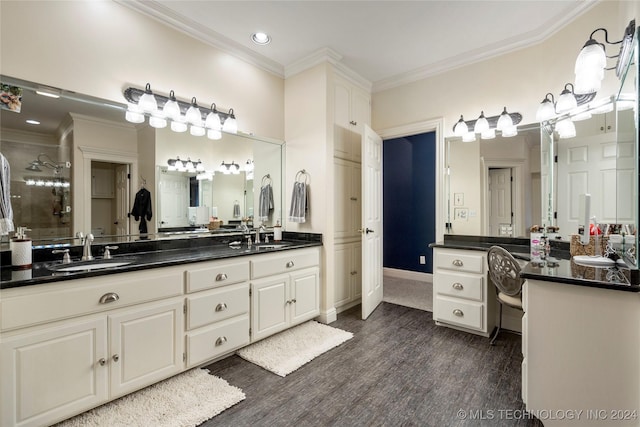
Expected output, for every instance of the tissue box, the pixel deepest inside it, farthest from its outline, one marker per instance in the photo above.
(577, 248)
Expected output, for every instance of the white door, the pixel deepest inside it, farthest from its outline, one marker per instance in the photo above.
(122, 200)
(371, 221)
(500, 210)
(173, 197)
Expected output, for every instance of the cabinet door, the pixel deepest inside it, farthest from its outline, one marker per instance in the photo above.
(269, 302)
(356, 271)
(102, 183)
(146, 345)
(305, 295)
(342, 274)
(50, 375)
(347, 195)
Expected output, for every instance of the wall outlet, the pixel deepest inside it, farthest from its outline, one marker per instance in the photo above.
(423, 260)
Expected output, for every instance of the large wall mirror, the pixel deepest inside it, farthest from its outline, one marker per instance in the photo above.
(492, 186)
(79, 169)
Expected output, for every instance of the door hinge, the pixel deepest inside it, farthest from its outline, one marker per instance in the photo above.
(250, 292)
(184, 357)
(555, 159)
(249, 331)
(511, 178)
(184, 309)
(128, 176)
(555, 215)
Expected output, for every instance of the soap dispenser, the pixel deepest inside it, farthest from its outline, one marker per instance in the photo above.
(277, 232)
(20, 246)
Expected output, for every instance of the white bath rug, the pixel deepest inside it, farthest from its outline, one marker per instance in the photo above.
(185, 400)
(285, 352)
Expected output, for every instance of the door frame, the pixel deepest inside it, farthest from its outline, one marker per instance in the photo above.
(433, 125)
(82, 219)
(517, 192)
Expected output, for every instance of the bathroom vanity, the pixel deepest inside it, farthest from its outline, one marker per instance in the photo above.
(71, 341)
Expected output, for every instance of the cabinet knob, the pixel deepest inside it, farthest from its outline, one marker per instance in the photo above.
(457, 262)
(458, 286)
(115, 357)
(102, 361)
(290, 264)
(221, 307)
(458, 312)
(220, 277)
(293, 301)
(352, 122)
(601, 127)
(353, 273)
(109, 297)
(221, 340)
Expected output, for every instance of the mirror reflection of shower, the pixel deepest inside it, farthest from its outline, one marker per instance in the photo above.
(45, 161)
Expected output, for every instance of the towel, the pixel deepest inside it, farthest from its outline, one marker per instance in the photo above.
(6, 212)
(299, 203)
(265, 203)
(236, 209)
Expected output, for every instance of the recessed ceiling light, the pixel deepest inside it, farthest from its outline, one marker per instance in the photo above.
(33, 122)
(260, 38)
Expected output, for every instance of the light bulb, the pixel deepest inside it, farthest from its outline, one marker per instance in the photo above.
(460, 128)
(546, 109)
(469, 137)
(147, 101)
(134, 114)
(510, 131)
(171, 108)
(157, 120)
(230, 125)
(213, 119)
(178, 126)
(566, 101)
(504, 121)
(214, 134)
(566, 129)
(193, 114)
(488, 134)
(196, 130)
(482, 124)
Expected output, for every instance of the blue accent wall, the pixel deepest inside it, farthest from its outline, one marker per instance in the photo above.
(409, 200)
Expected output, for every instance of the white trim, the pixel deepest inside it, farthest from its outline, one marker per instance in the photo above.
(328, 316)
(432, 125)
(407, 274)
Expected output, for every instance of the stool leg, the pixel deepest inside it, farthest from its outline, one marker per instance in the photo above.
(499, 326)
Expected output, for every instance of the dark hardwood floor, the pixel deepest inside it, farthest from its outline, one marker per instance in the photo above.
(400, 369)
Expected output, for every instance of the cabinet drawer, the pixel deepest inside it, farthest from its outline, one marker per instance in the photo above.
(460, 261)
(213, 274)
(269, 265)
(218, 304)
(61, 300)
(459, 312)
(216, 340)
(460, 285)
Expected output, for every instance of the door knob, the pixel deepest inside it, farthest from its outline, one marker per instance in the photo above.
(365, 230)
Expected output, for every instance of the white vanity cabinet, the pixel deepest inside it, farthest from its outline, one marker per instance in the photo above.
(217, 309)
(581, 351)
(285, 290)
(351, 111)
(462, 297)
(69, 346)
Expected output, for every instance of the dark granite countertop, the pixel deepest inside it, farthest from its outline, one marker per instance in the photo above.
(148, 254)
(558, 267)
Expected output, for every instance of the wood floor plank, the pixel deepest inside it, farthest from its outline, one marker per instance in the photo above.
(400, 369)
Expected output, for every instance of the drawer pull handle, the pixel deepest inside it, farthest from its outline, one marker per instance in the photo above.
(290, 264)
(458, 286)
(291, 301)
(220, 277)
(102, 361)
(458, 312)
(115, 357)
(221, 307)
(221, 340)
(109, 297)
(457, 262)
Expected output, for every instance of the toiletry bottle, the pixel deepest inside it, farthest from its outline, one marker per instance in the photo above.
(277, 232)
(20, 246)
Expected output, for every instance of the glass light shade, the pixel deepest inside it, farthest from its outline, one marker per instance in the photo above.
(200, 166)
(588, 82)
(248, 166)
(488, 134)
(481, 125)
(566, 129)
(546, 111)
(504, 121)
(591, 58)
(566, 102)
(510, 131)
(193, 114)
(157, 121)
(213, 121)
(171, 108)
(178, 126)
(134, 117)
(197, 130)
(469, 137)
(214, 134)
(235, 168)
(460, 128)
(147, 101)
(223, 168)
(230, 125)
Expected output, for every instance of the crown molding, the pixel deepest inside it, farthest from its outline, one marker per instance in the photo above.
(478, 55)
(166, 16)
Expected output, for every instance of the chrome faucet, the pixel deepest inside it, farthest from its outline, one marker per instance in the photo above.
(86, 243)
(259, 230)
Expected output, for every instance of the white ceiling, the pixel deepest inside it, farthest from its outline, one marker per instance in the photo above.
(385, 42)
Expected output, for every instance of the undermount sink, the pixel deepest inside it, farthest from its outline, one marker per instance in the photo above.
(80, 266)
(594, 261)
(274, 245)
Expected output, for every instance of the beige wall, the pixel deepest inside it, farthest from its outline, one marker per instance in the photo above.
(101, 47)
(517, 80)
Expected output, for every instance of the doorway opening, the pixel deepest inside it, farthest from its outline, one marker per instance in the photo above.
(109, 198)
